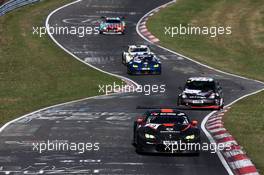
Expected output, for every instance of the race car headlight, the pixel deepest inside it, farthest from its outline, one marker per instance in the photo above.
(212, 95)
(184, 95)
(149, 136)
(135, 66)
(190, 137)
(156, 65)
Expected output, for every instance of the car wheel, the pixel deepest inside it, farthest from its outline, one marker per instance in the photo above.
(123, 59)
(138, 149)
(221, 104)
(134, 141)
(179, 101)
(134, 135)
(129, 72)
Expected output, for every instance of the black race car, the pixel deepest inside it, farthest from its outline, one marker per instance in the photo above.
(202, 92)
(166, 131)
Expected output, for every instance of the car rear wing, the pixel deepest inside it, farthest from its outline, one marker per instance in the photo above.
(165, 107)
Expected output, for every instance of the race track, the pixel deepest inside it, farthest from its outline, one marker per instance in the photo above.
(108, 120)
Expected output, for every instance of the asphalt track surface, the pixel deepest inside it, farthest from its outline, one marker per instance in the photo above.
(108, 119)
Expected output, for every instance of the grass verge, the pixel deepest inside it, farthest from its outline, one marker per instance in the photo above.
(245, 121)
(239, 53)
(34, 72)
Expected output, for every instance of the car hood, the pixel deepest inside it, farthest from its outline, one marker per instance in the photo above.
(145, 61)
(168, 128)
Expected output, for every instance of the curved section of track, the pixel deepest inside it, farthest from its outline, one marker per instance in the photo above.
(108, 119)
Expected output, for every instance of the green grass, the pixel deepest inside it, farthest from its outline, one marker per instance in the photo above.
(245, 121)
(241, 53)
(34, 72)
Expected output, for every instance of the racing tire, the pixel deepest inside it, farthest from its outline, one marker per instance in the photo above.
(179, 103)
(134, 135)
(138, 149)
(221, 106)
(134, 142)
(123, 59)
(128, 72)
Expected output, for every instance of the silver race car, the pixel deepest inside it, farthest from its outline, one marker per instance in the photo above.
(134, 50)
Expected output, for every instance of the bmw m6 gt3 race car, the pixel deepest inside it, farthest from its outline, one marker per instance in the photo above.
(202, 92)
(144, 64)
(112, 25)
(166, 131)
(134, 50)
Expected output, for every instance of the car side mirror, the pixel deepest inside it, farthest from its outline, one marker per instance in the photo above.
(140, 120)
(194, 123)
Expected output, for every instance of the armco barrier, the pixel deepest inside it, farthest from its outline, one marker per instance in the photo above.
(13, 4)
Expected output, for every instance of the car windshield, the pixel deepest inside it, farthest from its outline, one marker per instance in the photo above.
(200, 85)
(138, 49)
(162, 119)
(144, 58)
(113, 21)
(147, 58)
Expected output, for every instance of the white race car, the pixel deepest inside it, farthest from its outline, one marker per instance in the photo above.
(134, 50)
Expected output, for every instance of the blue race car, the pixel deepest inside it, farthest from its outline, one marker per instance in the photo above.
(144, 64)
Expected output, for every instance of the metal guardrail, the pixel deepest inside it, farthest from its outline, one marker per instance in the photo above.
(13, 4)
